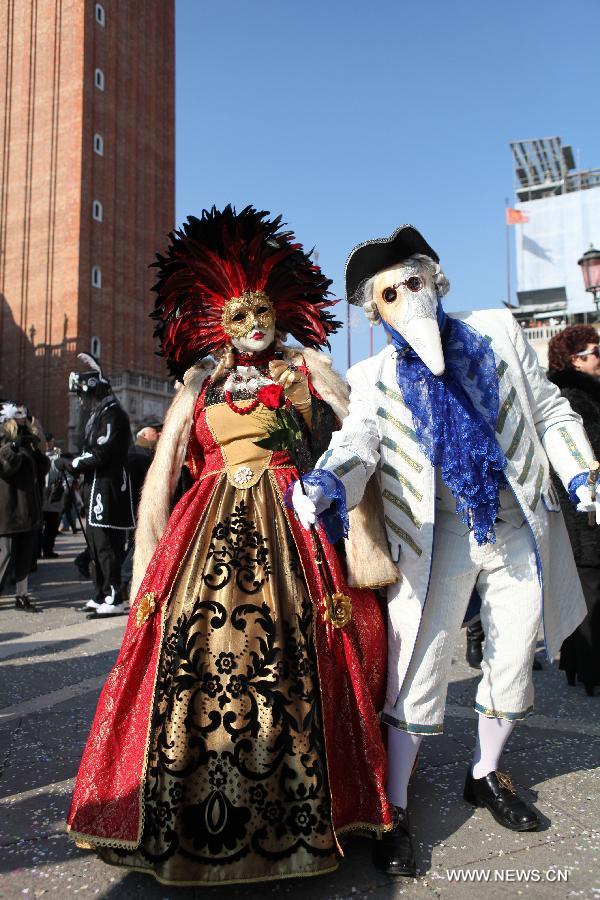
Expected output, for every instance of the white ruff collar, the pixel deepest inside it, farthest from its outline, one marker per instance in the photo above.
(246, 377)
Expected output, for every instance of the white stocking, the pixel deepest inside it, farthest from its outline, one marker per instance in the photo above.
(492, 735)
(402, 752)
(21, 586)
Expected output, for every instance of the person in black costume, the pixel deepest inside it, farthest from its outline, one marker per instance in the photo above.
(574, 360)
(106, 485)
(23, 467)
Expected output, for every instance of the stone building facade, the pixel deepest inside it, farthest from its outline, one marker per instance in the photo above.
(87, 172)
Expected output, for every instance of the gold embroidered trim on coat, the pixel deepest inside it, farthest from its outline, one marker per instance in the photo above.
(538, 489)
(393, 473)
(403, 505)
(403, 535)
(573, 448)
(392, 445)
(528, 460)
(394, 395)
(384, 414)
(516, 438)
(504, 409)
(346, 467)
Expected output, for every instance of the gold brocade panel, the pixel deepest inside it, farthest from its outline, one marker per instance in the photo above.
(236, 786)
(236, 436)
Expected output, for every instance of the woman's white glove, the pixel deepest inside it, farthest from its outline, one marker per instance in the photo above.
(587, 503)
(309, 504)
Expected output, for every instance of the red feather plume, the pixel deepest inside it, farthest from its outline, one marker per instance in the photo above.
(222, 255)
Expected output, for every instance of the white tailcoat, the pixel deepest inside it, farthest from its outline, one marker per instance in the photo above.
(536, 426)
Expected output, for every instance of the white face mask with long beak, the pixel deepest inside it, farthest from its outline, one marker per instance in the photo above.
(407, 299)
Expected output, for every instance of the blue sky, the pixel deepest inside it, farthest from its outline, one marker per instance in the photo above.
(351, 118)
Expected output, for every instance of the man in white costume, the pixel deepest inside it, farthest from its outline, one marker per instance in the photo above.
(459, 425)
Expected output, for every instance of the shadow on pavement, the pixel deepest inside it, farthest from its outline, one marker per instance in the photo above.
(27, 680)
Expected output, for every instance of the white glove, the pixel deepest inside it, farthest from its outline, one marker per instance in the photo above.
(77, 460)
(586, 503)
(309, 505)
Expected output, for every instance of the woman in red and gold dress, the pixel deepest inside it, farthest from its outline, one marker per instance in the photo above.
(237, 737)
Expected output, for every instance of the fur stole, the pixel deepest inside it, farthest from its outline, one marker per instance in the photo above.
(368, 560)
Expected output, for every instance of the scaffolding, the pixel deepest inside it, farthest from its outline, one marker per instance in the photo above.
(544, 167)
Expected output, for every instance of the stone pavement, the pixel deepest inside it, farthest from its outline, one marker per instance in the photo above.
(52, 665)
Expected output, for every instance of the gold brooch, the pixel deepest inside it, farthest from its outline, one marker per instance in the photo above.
(337, 609)
(146, 607)
(243, 475)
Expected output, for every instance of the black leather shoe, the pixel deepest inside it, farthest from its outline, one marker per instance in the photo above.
(24, 602)
(475, 638)
(393, 853)
(497, 793)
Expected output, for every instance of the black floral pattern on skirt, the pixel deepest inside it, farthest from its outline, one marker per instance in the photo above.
(236, 767)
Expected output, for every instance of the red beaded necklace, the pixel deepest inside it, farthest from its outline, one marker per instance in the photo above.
(240, 410)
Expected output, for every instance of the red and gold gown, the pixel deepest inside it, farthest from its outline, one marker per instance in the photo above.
(237, 736)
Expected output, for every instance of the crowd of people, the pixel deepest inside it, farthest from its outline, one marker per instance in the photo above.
(44, 490)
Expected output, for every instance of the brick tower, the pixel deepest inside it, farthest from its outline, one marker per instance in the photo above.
(87, 174)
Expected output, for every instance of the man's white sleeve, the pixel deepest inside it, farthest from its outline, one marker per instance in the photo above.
(559, 427)
(353, 452)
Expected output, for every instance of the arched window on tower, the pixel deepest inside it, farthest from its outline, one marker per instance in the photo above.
(97, 211)
(96, 277)
(98, 144)
(96, 347)
(100, 15)
(99, 79)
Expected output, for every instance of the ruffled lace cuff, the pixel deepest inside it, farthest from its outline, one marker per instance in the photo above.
(334, 519)
(575, 483)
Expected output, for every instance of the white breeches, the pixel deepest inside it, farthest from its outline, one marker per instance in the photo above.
(505, 575)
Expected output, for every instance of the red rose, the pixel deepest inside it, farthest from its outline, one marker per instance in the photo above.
(271, 396)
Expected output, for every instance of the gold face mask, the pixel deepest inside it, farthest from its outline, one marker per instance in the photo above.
(241, 315)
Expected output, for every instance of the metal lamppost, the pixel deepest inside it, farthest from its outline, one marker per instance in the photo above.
(590, 269)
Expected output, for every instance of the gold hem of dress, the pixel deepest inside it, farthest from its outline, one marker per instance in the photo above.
(375, 830)
(300, 874)
(89, 842)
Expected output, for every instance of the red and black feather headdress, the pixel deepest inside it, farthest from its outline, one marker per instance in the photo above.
(223, 255)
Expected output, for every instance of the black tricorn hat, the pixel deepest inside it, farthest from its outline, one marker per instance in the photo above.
(372, 256)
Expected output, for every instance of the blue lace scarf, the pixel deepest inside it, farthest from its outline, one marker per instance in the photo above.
(454, 417)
